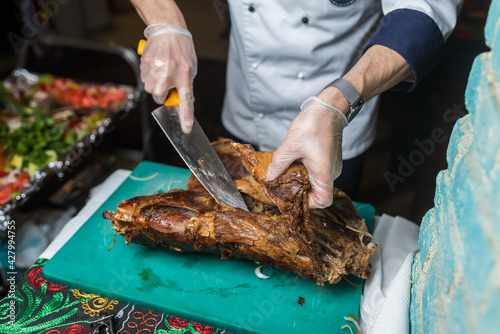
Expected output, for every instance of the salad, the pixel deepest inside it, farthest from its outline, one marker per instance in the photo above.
(42, 118)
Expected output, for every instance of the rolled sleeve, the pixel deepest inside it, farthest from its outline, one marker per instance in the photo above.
(415, 36)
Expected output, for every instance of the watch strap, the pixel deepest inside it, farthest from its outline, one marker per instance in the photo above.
(347, 89)
(351, 95)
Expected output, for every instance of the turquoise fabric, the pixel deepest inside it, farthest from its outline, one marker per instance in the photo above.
(456, 273)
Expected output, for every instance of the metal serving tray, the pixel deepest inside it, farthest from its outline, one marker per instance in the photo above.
(82, 148)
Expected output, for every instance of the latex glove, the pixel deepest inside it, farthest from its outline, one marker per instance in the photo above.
(315, 137)
(169, 61)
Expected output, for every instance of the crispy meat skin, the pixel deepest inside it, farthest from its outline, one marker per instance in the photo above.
(288, 191)
(279, 231)
(240, 175)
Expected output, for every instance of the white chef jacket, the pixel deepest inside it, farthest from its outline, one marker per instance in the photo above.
(282, 52)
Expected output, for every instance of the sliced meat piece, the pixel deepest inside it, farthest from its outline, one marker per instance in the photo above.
(288, 191)
(239, 174)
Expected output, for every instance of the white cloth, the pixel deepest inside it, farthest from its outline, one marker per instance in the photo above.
(282, 52)
(98, 195)
(386, 298)
(385, 305)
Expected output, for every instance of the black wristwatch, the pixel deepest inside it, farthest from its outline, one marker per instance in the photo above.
(355, 101)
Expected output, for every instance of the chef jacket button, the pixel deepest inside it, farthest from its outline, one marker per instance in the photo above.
(251, 8)
(260, 115)
(255, 65)
(301, 75)
(305, 20)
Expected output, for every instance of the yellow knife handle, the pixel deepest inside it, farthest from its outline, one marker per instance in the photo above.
(140, 47)
(172, 96)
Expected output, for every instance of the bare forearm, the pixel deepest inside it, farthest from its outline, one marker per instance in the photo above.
(159, 11)
(378, 70)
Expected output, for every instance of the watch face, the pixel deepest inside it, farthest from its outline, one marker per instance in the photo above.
(343, 3)
(353, 110)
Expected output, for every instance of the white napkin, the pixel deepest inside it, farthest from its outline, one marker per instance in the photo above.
(98, 195)
(385, 305)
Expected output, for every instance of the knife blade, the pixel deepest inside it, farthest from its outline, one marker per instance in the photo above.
(201, 158)
(196, 151)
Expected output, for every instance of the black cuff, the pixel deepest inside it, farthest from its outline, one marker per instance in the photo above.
(415, 36)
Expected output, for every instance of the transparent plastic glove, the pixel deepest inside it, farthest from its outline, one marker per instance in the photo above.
(169, 61)
(315, 137)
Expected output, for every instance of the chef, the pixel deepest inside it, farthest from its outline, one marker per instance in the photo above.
(299, 71)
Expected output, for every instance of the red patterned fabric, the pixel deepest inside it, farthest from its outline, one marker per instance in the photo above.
(203, 329)
(73, 329)
(56, 309)
(36, 280)
(177, 322)
(181, 324)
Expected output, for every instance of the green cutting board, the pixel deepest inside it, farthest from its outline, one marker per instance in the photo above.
(199, 287)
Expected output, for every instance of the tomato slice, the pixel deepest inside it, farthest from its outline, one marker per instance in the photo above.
(57, 83)
(4, 196)
(11, 187)
(22, 179)
(115, 94)
(74, 123)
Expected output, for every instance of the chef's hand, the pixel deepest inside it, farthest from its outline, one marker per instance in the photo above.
(169, 61)
(315, 137)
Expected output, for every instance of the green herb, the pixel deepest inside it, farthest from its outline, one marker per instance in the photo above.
(39, 140)
(6, 100)
(35, 141)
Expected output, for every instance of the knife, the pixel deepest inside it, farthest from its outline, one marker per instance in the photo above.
(196, 151)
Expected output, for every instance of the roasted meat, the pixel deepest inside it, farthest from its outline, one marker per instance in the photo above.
(279, 230)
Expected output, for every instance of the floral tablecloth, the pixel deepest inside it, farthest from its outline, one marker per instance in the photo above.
(42, 307)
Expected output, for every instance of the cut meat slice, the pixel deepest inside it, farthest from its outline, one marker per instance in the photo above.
(288, 191)
(244, 181)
